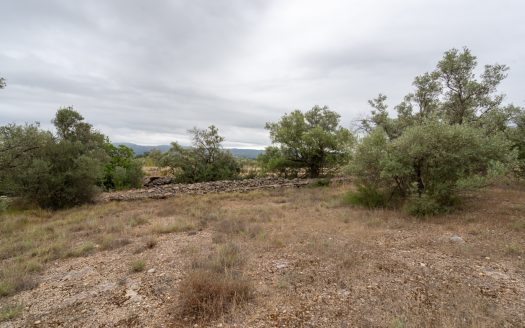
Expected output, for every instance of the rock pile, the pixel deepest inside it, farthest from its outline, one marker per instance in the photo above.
(160, 191)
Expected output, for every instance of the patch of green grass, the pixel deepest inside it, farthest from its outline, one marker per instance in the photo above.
(137, 266)
(514, 249)
(398, 323)
(136, 221)
(9, 312)
(82, 250)
(319, 183)
(109, 241)
(366, 197)
(519, 224)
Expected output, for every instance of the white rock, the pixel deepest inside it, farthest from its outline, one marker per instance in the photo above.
(457, 239)
(151, 271)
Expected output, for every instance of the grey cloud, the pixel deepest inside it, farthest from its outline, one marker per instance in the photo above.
(146, 72)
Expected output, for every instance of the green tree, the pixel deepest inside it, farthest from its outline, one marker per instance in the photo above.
(123, 171)
(64, 170)
(19, 145)
(452, 93)
(428, 164)
(206, 160)
(313, 141)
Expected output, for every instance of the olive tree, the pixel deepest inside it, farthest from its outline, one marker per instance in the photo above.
(452, 93)
(59, 171)
(313, 141)
(205, 160)
(428, 164)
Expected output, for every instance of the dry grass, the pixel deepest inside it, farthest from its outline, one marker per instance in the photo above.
(214, 286)
(137, 266)
(305, 257)
(206, 295)
(8, 312)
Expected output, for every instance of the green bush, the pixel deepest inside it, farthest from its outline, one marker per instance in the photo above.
(425, 206)
(123, 171)
(53, 171)
(367, 197)
(427, 165)
(204, 161)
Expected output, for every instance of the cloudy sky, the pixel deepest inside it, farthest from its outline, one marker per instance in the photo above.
(146, 71)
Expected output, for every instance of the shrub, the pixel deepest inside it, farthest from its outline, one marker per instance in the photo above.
(367, 197)
(424, 206)
(53, 171)
(431, 161)
(137, 266)
(9, 312)
(206, 295)
(123, 171)
(204, 161)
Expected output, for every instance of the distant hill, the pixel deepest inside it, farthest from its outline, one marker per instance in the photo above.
(237, 152)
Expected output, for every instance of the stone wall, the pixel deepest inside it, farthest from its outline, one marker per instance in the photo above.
(169, 190)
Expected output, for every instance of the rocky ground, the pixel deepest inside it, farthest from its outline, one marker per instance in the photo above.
(312, 262)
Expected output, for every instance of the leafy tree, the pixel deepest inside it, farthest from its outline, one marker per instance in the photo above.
(206, 160)
(64, 170)
(313, 140)
(428, 163)
(19, 145)
(2, 83)
(123, 170)
(451, 93)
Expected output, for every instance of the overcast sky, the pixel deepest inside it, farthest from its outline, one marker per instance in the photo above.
(146, 71)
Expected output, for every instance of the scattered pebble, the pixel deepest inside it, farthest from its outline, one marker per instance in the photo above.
(151, 271)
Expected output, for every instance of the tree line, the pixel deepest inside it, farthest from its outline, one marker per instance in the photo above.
(452, 132)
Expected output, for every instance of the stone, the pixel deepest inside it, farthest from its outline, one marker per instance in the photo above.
(457, 239)
(151, 271)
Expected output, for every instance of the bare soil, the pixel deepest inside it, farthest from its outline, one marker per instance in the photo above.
(312, 261)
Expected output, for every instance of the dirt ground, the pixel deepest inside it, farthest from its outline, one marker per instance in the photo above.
(312, 262)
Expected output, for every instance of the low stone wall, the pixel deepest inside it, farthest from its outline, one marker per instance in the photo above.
(170, 190)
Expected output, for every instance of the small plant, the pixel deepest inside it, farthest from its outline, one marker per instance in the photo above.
(83, 250)
(138, 266)
(207, 294)
(425, 206)
(136, 221)
(9, 312)
(367, 197)
(513, 249)
(109, 242)
(325, 182)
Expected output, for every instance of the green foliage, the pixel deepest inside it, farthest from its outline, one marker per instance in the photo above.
(452, 133)
(366, 196)
(123, 171)
(10, 311)
(206, 160)
(425, 206)
(452, 94)
(312, 141)
(53, 172)
(428, 161)
(517, 136)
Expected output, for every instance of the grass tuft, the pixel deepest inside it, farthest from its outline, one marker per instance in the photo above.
(9, 312)
(137, 266)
